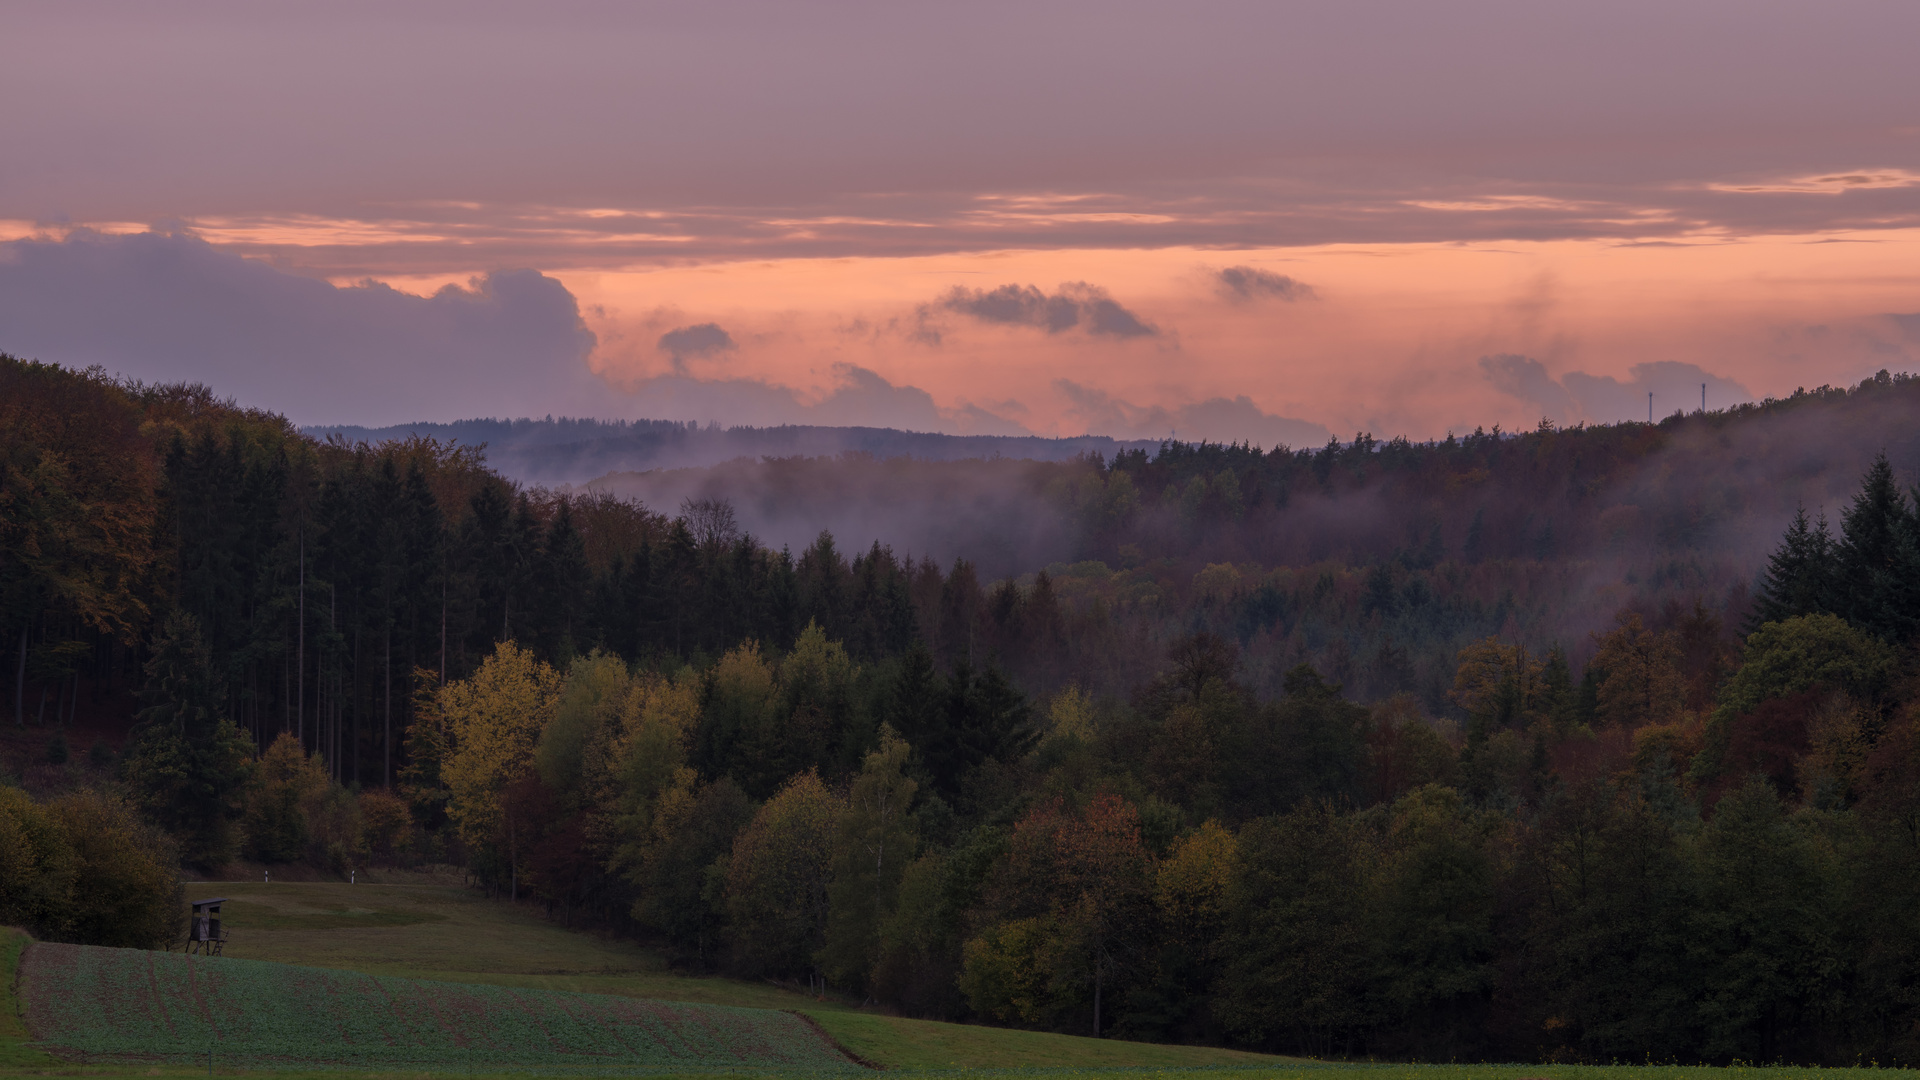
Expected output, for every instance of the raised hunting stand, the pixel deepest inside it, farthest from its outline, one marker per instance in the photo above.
(203, 929)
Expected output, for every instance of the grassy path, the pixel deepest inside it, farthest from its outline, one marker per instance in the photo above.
(15, 1050)
(898, 1043)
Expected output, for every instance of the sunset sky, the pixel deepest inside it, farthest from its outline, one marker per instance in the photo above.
(1270, 221)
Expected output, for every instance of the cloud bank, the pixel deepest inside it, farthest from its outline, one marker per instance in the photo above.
(688, 342)
(1245, 284)
(171, 308)
(1602, 399)
(1076, 304)
(860, 398)
(1219, 419)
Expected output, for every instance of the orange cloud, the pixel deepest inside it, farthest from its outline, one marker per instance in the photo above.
(1391, 342)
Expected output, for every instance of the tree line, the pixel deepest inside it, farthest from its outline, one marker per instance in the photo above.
(1007, 801)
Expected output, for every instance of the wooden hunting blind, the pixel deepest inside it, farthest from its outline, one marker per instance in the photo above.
(203, 929)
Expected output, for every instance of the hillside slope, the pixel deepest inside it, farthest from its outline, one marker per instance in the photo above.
(124, 1003)
(434, 933)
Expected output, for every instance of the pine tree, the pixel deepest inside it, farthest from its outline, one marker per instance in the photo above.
(1869, 554)
(188, 764)
(1877, 561)
(560, 590)
(1799, 576)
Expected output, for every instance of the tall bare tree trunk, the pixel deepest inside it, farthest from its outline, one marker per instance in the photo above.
(386, 722)
(20, 681)
(1097, 972)
(300, 693)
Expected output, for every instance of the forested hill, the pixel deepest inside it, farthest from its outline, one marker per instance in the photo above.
(569, 451)
(1575, 745)
(1374, 560)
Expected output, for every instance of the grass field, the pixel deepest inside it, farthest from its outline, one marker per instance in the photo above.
(92, 1003)
(430, 931)
(415, 931)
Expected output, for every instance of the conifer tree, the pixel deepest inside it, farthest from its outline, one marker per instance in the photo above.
(188, 764)
(1799, 576)
(1869, 555)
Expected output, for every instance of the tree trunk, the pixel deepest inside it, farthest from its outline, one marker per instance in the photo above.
(386, 722)
(20, 682)
(354, 739)
(300, 689)
(1097, 972)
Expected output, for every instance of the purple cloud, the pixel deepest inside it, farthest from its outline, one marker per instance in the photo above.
(170, 308)
(1602, 399)
(1242, 284)
(702, 339)
(1076, 304)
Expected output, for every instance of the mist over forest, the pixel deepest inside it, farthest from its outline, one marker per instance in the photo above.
(1572, 744)
(1581, 521)
(570, 451)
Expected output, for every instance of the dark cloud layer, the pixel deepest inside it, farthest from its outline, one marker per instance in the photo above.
(170, 308)
(1242, 284)
(860, 398)
(1076, 304)
(1226, 123)
(1602, 399)
(703, 339)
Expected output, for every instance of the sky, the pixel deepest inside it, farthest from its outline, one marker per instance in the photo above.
(1271, 221)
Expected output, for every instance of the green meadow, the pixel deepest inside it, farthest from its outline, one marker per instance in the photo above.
(415, 978)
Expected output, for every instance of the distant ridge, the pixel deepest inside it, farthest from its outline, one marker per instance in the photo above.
(569, 451)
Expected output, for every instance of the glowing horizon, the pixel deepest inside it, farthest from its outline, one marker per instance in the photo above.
(750, 217)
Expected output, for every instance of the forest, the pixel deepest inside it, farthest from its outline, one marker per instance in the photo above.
(567, 450)
(1590, 744)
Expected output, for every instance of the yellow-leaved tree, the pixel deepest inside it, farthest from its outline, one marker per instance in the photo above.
(1499, 685)
(1192, 886)
(572, 755)
(658, 721)
(742, 704)
(1642, 683)
(647, 772)
(1071, 715)
(493, 720)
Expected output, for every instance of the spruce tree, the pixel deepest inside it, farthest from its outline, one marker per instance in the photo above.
(1877, 560)
(188, 764)
(1800, 573)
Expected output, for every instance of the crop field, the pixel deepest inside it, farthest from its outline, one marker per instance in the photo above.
(130, 1005)
(420, 929)
(425, 929)
(455, 986)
